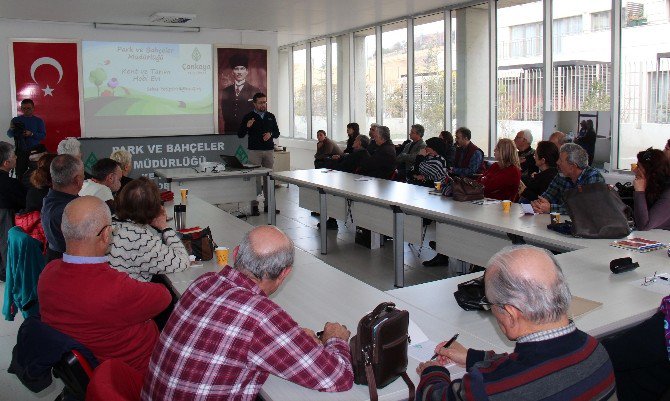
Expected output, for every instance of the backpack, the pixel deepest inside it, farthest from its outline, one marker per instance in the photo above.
(379, 349)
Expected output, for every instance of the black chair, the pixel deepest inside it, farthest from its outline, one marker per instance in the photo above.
(75, 371)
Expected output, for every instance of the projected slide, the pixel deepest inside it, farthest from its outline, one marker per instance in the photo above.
(128, 87)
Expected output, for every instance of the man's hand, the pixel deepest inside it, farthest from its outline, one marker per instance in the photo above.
(424, 365)
(456, 353)
(336, 330)
(541, 205)
(312, 334)
(27, 133)
(422, 152)
(251, 122)
(335, 157)
(160, 221)
(267, 136)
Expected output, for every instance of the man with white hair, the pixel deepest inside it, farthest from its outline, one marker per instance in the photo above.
(552, 359)
(82, 296)
(574, 169)
(372, 133)
(523, 141)
(69, 146)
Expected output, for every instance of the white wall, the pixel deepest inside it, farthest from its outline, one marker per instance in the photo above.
(14, 29)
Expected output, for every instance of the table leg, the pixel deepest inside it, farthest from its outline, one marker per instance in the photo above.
(399, 246)
(272, 202)
(323, 218)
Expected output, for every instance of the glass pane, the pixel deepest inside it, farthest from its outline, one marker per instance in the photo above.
(429, 73)
(319, 103)
(340, 90)
(520, 68)
(645, 78)
(394, 89)
(299, 92)
(472, 72)
(365, 80)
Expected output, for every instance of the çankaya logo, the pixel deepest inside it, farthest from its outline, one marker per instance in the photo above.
(196, 56)
(48, 91)
(198, 68)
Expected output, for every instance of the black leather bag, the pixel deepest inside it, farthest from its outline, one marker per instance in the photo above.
(596, 211)
(466, 189)
(379, 349)
(471, 296)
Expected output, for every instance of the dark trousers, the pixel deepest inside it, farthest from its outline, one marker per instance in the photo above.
(22, 163)
(640, 361)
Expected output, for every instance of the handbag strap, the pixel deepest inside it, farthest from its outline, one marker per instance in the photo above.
(410, 385)
(372, 385)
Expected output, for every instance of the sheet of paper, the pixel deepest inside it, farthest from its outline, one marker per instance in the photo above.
(416, 334)
(658, 285)
(527, 208)
(363, 179)
(423, 351)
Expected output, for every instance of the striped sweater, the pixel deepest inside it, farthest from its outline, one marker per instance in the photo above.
(570, 367)
(141, 251)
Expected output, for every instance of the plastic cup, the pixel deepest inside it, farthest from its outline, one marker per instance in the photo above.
(633, 167)
(221, 255)
(438, 186)
(506, 206)
(555, 217)
(184, 194)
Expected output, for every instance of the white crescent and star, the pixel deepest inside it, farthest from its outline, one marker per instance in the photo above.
(48, 91)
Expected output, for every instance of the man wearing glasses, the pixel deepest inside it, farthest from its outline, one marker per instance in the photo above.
(28, 131)
(552, 359)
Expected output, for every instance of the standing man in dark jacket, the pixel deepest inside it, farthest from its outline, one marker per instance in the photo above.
(381, 163)
(261, 126)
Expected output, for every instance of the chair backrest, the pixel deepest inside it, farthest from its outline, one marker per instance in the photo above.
(75, 371)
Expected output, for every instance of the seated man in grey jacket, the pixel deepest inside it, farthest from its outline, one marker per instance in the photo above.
(409, 152)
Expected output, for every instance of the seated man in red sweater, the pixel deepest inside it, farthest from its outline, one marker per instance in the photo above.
(82, 296)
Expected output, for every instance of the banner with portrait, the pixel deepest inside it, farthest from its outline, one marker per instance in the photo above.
(48, 73)
(241, 73)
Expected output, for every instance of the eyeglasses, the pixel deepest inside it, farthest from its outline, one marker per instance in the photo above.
(652, 279)
(103, 229)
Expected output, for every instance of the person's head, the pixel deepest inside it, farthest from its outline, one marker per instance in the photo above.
(239, 64)
(361, 142)
(383, 134)
(69, 146)
(653, 165)
(320, 135)
(589, 125)
(108, 173)
(523, 139)
(582, 124)
(27, 107)
(666, 150)
(139, 201)
(463, 137)
(260, 102)
(67, 174)
(558, 138)
(353, 129)
(447, 138)
(527, 289)
(416, 132)
(7, 156)
(572, 160)
(266, 256)
(125, 160)
(505, 153)
(546, 154)
(436, 146)
(41, 177)
(372, 132)
(86, 227)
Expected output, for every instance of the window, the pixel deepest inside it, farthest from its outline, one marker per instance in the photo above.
(365, 80)
(601, 21)
(319, 102)
(394, 73)
(563, 29)
(525, 40)
(299, 92)
(429, 73)
(340, 86)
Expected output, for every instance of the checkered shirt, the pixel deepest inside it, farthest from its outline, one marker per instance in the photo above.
(225, 337)
(554, 193)
(547, 334)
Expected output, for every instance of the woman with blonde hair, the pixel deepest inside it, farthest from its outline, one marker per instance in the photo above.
(501, 180)
(125, 160)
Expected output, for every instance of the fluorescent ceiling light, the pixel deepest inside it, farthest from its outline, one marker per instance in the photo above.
(137, 27)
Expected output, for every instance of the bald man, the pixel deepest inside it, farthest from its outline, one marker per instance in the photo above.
(558, 138)
(226, 333)
(552, 359)
(82, 296)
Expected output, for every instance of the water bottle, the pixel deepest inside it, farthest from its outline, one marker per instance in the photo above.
(180, 217)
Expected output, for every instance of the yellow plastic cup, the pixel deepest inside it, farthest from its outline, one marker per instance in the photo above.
(221, 255)
(438, 186)
(555, 217)
(184, 194)
(506, 206)
(633, 167)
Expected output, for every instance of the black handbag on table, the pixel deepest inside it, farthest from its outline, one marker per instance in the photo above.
(596, 211)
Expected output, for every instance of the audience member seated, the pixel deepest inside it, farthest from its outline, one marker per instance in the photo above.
(326, 148)
(67, 177)
(558, 138)
(469, 159)
(372, 133)
(225, 336)
(430, 165)
(12, 199)
(573, 163)
(105, 180)
(82, 296)
(450, 152)
(587, 138)
(523, 141)
(353, 161)
(33, 157)
(40, 182)
(641, 358)
(143, 244)
(546, 156)
(652, 190)
(353, 131)
(501, 180)
(405, 160)
(552, 359)
(125, 160)
(381, 164)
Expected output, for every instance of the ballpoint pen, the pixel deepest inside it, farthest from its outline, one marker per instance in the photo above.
(447, 345)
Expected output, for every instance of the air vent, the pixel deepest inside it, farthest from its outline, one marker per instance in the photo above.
(172, 18)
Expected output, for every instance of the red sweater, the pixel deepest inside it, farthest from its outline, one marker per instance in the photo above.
(102, 308)
(500, 183)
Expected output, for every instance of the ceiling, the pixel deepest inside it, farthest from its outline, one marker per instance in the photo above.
(293, 19)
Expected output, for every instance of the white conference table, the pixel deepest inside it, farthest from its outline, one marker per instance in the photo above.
(228, 186)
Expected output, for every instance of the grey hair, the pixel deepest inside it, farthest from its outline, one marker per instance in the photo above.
(576, 155)
(538, 303)
(384, 132)
(264, 266)
(528, 135)
(374, 125)
(6, 150)
(122, 156)
(88, 228)
(69, 146)
(419, 129)
(64, 169)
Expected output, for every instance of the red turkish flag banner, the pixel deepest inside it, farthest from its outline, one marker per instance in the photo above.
(48, 73)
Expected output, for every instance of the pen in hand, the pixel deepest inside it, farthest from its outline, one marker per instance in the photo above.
(447, 345)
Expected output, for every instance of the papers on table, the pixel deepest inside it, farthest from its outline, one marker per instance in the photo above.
(422, 349)
(486, 201)
(638, 244)
(659, 283)
(363, 179)
(581, 306)
(527, 208)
